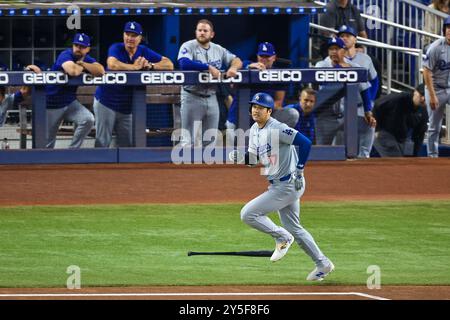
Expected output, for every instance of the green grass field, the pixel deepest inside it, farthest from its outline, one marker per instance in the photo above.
(138, 245)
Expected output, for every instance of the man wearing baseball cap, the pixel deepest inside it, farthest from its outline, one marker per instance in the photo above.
(366, 133)
(112, 103)
(329, 116)
(62, 103)
(266, 57)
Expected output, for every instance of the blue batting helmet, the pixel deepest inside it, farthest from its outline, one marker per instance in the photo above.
(262, 99)
(446, 23)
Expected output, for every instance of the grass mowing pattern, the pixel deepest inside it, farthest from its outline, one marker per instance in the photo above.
(138, 245)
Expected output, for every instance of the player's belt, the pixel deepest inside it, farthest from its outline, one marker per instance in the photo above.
(285, 178)
(197, 94)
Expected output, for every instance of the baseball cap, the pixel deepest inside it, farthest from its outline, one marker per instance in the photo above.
(82, 39)
(336, 42)
(266, 49)
(133, 26)
(347, 29)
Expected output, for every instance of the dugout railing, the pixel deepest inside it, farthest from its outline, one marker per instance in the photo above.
(342, 83)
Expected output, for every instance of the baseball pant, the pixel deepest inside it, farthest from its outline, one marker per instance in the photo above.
(366, 136)
(327, 126)
(283, 198)
(435, 120)
(75, 112)
(107, 121)
(199, 114)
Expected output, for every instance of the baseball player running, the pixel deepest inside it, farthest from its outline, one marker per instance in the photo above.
(436, 73)
(287, 184)
(112, 103)
(62, 103)
(199, 104)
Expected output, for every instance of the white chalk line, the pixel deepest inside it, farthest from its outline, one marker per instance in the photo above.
(187, 294)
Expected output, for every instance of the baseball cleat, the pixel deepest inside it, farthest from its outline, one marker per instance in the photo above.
(281, 249)
(318, 274)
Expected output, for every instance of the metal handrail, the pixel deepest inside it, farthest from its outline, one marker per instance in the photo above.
(369, 42)
(393, 24)
(425, 8)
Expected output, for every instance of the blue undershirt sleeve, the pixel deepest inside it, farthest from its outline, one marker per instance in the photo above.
(365, 95)
(374, 88)
(304, 145)
(188, 64)
(18, 98)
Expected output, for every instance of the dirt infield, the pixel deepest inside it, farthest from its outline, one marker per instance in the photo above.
(320, 291)
(373, 179)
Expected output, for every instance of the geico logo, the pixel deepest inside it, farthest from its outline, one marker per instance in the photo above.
(280, 75)
(45, 78)
(162, 77)
(108, 78)
(4, 79)
(207, 78)
(336, 76)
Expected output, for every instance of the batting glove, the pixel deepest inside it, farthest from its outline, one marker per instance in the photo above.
(299, 181)
(236, 157)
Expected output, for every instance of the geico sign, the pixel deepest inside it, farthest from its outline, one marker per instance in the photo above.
(107, 78)
(45, 78)
(162, 77)
(4, 78)
(207, 78)
(280, 75)
(336, 76)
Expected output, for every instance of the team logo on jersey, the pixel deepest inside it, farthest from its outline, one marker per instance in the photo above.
(289, 132)
(443, 65)
(184, 51)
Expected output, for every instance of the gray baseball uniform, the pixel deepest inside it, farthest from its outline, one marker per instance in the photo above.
(329, 122)
(437, 60)
(273, 145)
(366, 132)
(199, 106)
(7, 104)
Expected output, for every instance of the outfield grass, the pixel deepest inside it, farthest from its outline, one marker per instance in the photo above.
(147, 244)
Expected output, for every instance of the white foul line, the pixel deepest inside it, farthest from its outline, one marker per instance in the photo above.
(369, 296)
(186, 294)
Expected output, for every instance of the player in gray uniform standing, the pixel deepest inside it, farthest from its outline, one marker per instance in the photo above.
(199, 105)
(273, 144)
(329, 121)
(436, 71)
(366, 132)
